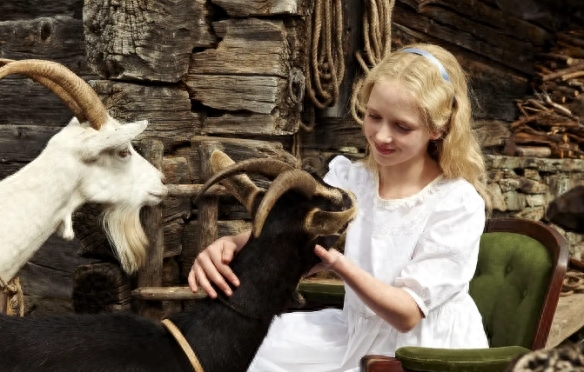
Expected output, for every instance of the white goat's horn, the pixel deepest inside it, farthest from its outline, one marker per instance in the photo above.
(72, 87)
(55, 88)
(296, 179)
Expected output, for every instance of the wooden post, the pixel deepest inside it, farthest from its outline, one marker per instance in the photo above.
(151, 273)
(208, 206)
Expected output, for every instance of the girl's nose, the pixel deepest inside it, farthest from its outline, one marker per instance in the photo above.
(384, 134)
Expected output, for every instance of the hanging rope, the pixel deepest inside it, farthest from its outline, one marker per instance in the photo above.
(325, 63)
(377, 45)
(15, 302)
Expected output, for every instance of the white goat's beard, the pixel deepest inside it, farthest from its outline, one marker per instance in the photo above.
(125, 233)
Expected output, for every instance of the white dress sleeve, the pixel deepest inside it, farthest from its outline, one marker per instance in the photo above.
(338, 174)
(445, 257)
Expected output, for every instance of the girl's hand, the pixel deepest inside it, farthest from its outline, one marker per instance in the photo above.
(212, 265)
(330, 257)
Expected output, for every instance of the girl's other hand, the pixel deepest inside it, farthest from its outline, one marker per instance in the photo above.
(212, 265)
(330, 257)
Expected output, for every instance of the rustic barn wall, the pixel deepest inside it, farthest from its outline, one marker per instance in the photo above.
(221, 74)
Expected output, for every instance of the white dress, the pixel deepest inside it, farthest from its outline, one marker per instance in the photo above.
(426, 244)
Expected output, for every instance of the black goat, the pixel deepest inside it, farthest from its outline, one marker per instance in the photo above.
(295, 213)
(567, 210)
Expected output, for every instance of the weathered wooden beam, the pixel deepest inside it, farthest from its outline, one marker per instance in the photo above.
(29, 9)
(140, 40)
(23, 143)
(167, 109)
(248, 77)
(481, 13)
(250, 8)
(256, 94)
(248, 47)
(456, 30)
(58, 39)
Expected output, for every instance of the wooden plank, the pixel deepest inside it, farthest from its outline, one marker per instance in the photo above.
(16, 94)
(167, 109)
(248, 46)
(516, 55)
(23, 143)
(248, 75)
(245, 124)
(256, 94)
(248, 8)
(19, 10)
(135, 40)
(58, 39)
(482, 14)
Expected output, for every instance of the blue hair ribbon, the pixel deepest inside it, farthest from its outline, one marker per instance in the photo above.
(431, 58)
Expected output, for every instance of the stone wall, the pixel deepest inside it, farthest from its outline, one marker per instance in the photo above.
(523, 187)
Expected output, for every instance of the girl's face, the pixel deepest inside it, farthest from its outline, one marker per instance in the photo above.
(394, 127)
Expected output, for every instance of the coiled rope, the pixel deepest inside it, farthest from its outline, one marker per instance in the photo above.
(377, 45)
(15, 298)
(325, 65)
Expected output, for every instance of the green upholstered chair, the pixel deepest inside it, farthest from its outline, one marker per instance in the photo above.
(519, 276)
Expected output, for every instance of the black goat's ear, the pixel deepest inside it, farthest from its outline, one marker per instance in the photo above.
(319, 222)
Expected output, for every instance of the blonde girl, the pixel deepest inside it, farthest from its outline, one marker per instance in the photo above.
(412, 249)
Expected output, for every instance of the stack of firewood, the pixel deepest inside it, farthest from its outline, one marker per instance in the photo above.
(551, 121)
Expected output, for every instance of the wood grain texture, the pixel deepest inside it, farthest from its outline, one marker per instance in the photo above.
(247, 8)
(29, 9)
(167, 109)
(145, 40)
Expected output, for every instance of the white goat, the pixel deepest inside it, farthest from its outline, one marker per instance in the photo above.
(89, 160)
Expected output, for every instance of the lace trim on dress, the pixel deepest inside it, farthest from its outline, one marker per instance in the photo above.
(408, 201)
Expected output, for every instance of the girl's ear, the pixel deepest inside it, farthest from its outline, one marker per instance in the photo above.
(434, 135)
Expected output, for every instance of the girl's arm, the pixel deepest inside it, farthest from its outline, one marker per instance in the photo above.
(392, 304)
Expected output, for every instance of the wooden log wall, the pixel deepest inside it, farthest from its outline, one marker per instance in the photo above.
(217, 73)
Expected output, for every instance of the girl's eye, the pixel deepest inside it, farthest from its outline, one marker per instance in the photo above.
(374, 117)
(403, 128)
(124, 153)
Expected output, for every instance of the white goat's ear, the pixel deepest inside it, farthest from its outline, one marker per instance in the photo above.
(111, 139)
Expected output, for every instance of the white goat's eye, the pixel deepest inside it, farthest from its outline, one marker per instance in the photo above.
(124, 153)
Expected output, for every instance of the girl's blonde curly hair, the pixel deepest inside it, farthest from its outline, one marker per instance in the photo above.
(445, 107)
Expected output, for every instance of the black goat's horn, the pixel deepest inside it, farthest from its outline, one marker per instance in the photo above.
(292, 179)
(240, 186)
(266, 167)
(69, 87)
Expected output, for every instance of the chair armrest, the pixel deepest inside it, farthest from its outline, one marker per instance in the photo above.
(320, 293)
(457, 360)
(380, 363)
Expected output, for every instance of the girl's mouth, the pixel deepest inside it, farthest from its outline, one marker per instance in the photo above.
(383, 151)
